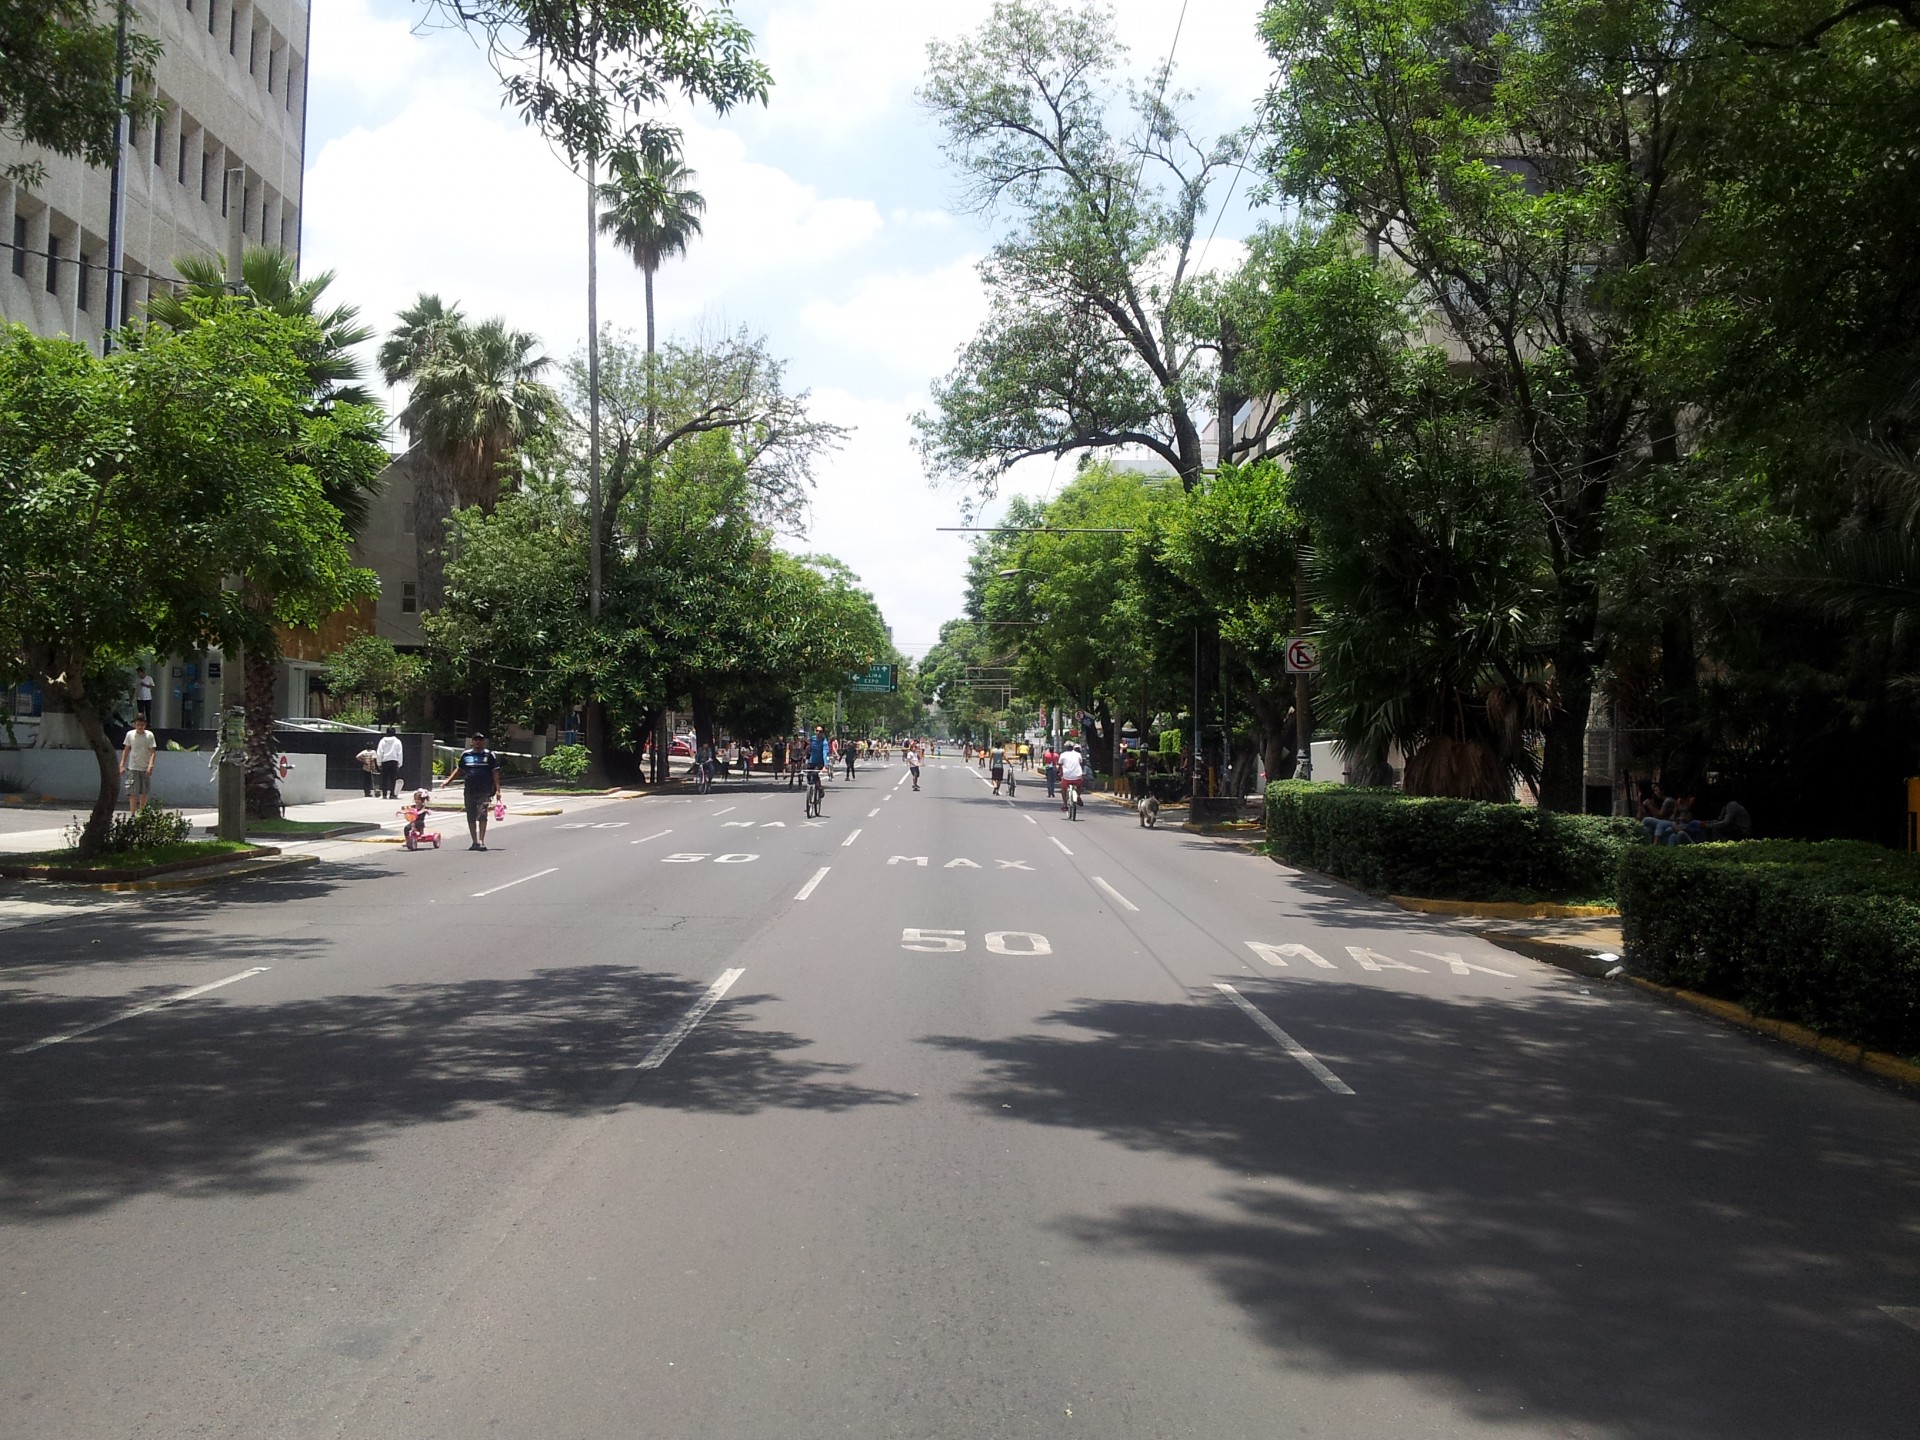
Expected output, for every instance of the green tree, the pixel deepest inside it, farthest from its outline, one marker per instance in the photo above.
(476, 400)
(1098, 334)
(1522, 166)
(132, 487)
(60, 69)
(347, 465)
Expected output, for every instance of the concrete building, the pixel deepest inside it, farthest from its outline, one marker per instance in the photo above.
(219, 170)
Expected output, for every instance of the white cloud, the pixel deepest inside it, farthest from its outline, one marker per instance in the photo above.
(915, 321)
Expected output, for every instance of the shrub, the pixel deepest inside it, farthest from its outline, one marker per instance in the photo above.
(1453, 849)
(1823, 934)
(565, 762)
(151, 828)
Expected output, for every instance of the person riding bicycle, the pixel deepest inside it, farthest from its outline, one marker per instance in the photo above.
(819, 755)
(1073, 775)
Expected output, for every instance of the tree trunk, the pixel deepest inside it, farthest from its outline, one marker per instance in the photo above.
(593, 717)
(93, 837)
(1273, 724)
(702, 718)
(1563, 773)
(263, 785)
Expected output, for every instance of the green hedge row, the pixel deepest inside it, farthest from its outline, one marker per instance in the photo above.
(1446, 849)
(1826, 935)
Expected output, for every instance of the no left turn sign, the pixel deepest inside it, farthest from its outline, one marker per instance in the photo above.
(1303, 656)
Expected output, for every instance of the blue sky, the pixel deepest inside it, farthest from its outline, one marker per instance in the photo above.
(831, 226)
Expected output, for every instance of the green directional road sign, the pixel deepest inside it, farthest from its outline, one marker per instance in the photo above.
(877, 680)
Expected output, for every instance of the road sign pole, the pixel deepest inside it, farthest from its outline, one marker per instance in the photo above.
(1303, 687)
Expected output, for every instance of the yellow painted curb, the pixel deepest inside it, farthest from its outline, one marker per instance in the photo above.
(1887, 1067)
(1504, 909)
(512, 813)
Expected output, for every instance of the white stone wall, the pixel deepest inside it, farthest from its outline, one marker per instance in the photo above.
(182, 779)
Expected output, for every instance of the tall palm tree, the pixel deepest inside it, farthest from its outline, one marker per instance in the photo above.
(652, 212)
(477, 397)
(270, 278)
(425, 326)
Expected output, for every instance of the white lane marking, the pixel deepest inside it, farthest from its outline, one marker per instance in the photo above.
(738, 824)
(734, 859)
(1056, 840)
(728, 811)
(1272, 953)
(850, 839)
(1287, 1043)
(960, 864)
(670, 1041)
(873, 812)
(1115, 893)
(1032, 821)
(1035, 944)
(902, 780)
(1373, 960)
(887, 796)
(1451, 959)
(644, 838)
(482, 894)
(818, 876)
(1907, 1315)
(919, 860)
(1014, 865)
(136, 1010)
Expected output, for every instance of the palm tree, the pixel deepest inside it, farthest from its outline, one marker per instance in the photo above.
(270, 278)
(652, 213)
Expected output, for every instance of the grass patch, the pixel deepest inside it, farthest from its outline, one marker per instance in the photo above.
(133, 859)
(322, 828)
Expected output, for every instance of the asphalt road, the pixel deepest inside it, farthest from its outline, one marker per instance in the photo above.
(942, 1117)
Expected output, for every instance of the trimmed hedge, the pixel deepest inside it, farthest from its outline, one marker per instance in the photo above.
(1445, 849)
(1823, 934)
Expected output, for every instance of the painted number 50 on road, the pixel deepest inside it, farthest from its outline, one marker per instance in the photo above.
(952, 942)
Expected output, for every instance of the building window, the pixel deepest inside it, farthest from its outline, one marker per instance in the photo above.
(86, 278)
(253, 52)
(183, 150)
(20, 245)
(53, 264)
(409, 598)
(233, 30)
(273, 64)
(159, 139)
(206, 173)
(212, 5)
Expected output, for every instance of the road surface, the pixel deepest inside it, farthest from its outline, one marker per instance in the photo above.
(941, 1117)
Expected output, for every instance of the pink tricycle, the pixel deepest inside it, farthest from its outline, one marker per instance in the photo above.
(416, 834)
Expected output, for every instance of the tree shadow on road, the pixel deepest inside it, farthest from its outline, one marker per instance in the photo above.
(1561, 1212)
(220, 1096)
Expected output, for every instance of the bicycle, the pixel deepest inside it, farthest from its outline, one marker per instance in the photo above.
(703, 776)
(816, 793)
(1073, 800)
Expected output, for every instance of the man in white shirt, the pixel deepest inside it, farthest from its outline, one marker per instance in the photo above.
(136, 764)
(389, 753)
(1072, 773)
(143, 692)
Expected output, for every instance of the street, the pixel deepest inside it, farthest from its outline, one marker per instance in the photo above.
(938, 1117)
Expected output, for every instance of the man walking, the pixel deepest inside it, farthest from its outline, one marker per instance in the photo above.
(479, 768)
(136, 764)
(389, 753)
(850, 749)
(143, 692)
(369, 760)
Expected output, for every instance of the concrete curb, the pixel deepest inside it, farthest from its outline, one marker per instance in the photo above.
(1505, 909)
(1874, 1062)
(97, 876)
(246, 869)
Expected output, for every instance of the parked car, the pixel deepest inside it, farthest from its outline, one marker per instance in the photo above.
(682, 745)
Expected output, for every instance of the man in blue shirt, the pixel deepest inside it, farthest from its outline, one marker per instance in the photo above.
(479, 768)
(818, 756)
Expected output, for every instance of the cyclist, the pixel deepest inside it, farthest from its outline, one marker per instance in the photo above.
(819, 760)
(1073, 775)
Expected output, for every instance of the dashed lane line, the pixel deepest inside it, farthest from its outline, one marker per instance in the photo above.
(1114, 893)
(482, 894)
(670, 1041)
(873, 812)
(137, 1010)
(1286, 1042)
(818, 876)
(1056, 840)
(644, 838)
(850, 839)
